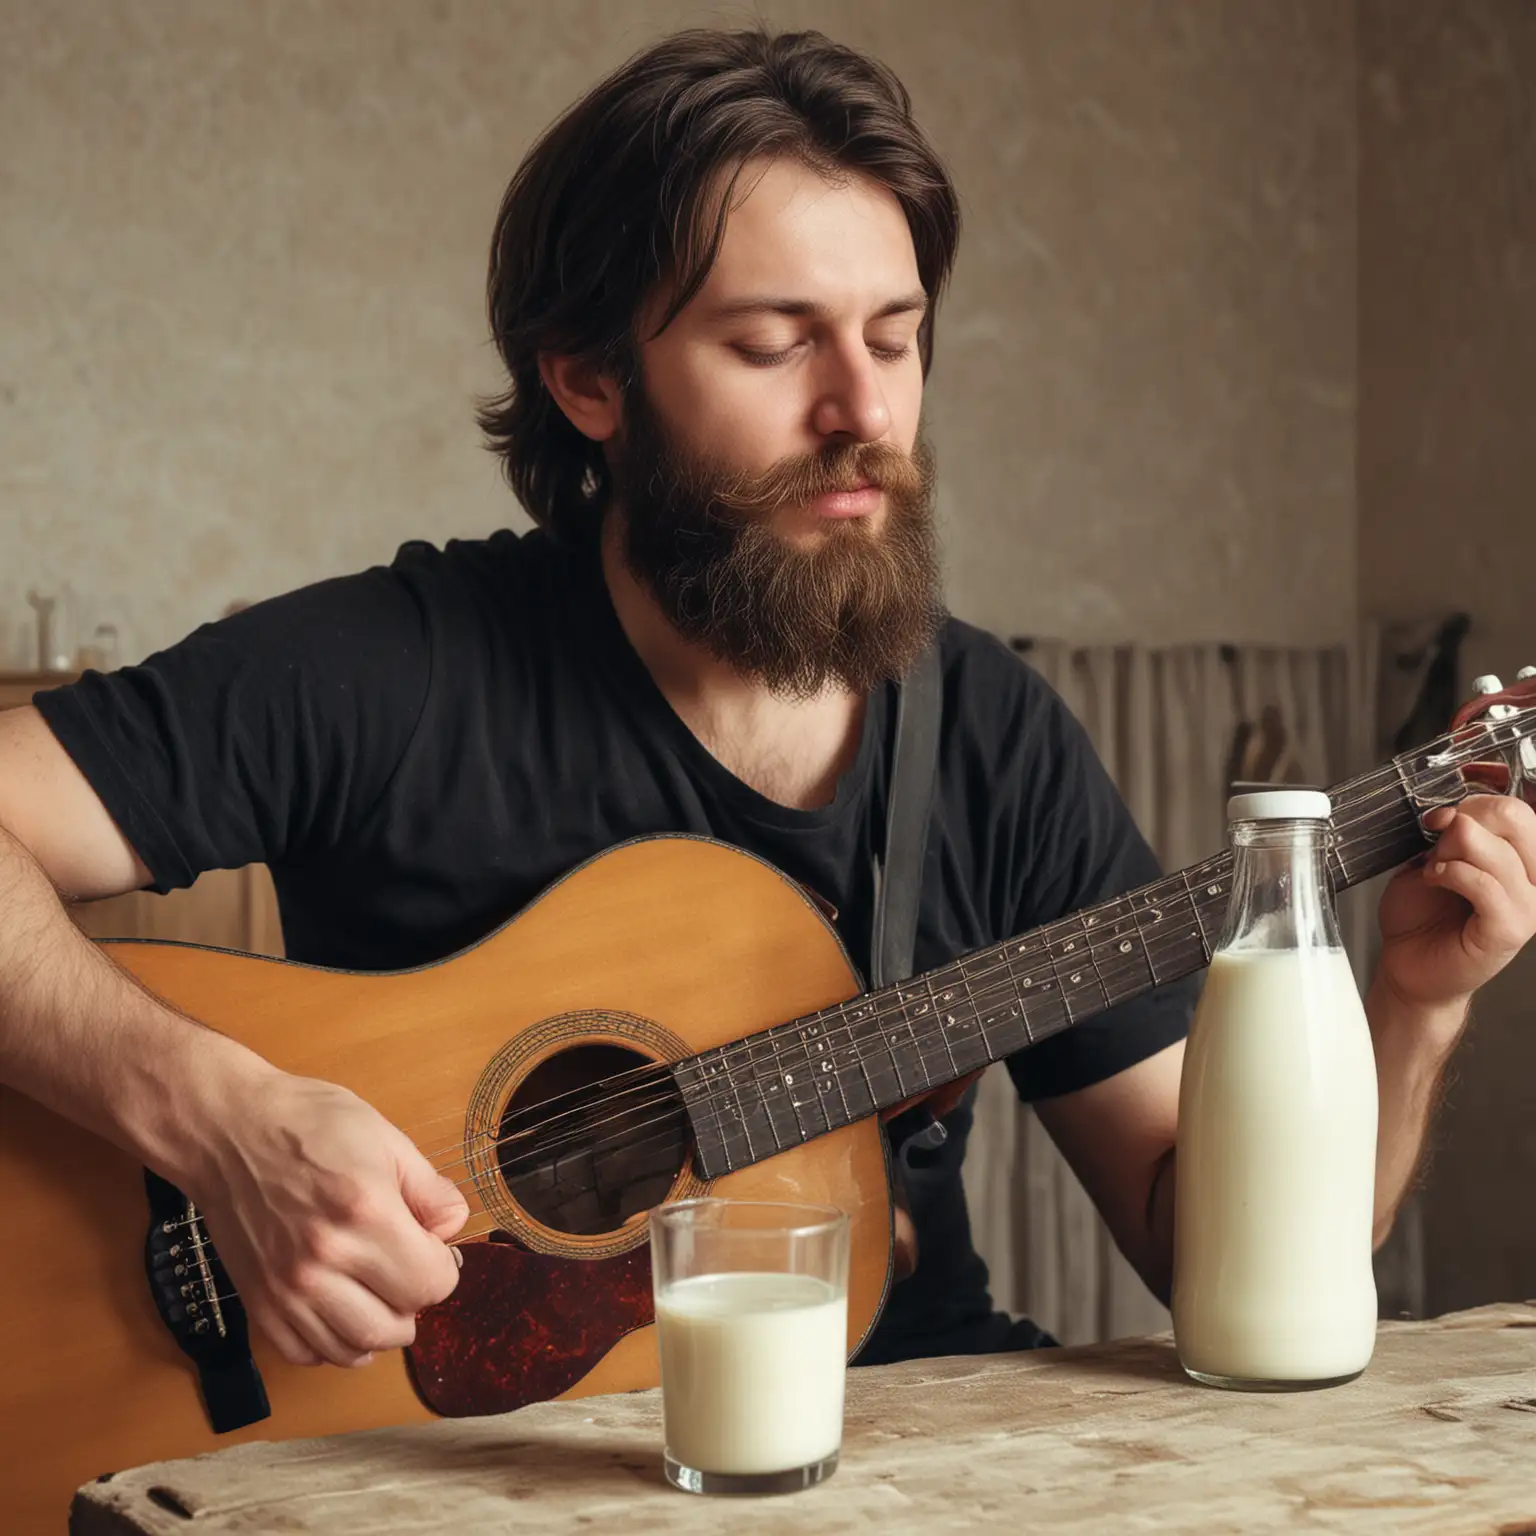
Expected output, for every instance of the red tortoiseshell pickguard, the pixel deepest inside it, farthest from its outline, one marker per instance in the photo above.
(524, 1327)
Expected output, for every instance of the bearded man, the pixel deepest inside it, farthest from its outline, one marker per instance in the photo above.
(713, 283)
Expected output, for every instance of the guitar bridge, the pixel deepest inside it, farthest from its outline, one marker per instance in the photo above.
(200, 1308)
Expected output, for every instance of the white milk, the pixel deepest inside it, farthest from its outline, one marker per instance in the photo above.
(1276, 1172)
(752, 1370)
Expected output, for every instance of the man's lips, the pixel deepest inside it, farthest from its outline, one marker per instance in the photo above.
(854, 503)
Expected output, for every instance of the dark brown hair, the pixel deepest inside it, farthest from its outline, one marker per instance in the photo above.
(633, 185)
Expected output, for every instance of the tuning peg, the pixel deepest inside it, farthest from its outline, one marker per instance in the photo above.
(1524, 673)
(1489, 683)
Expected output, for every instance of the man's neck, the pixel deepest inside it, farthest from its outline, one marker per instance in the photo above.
(791, 750)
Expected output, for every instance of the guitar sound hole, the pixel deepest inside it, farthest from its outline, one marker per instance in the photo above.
(593, 1136)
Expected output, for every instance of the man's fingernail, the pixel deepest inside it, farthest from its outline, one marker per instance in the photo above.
(1439, 869)
(458, 1258)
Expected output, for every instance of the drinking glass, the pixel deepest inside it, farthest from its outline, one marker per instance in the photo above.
(752, 1322)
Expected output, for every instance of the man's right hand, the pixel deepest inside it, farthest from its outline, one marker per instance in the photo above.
(330, 1221)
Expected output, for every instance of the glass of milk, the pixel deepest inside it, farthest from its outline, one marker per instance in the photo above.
(752, 1320)
(1272, 1283)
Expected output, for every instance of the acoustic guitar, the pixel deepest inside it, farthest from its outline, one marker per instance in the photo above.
(673, 1017)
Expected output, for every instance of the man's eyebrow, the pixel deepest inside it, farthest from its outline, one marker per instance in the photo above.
(768, 304)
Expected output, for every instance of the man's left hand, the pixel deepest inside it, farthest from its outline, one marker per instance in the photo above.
(1454, 919)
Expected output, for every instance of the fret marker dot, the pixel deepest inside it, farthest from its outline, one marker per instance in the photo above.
(789, 1077)
(1213, 890)
(1077, 977)
(1125, 948)
(1027, 982)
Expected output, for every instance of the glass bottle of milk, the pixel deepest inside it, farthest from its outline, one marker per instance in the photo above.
(1272, 1286)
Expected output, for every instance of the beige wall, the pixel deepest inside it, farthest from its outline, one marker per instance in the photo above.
(240, 294)
(1448, 494)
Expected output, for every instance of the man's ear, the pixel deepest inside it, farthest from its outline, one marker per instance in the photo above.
(590, 398)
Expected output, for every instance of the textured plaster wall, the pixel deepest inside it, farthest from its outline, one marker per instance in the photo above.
(243, 249)
(1448, 495)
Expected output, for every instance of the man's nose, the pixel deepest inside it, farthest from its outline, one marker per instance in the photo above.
(850, 400)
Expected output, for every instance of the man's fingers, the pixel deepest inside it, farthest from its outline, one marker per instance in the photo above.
(1483, 892)
(285, 1341)
(1509, 822)
(1474, 840)
(406, 1268)
(348, 1323)
(434, 1200)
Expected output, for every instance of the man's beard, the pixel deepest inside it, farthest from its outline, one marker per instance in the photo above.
(857, 609)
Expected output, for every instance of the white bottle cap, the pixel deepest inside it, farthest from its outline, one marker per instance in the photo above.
(1280, 805)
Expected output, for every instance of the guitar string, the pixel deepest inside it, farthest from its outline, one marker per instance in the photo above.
(982, 988)
(539, 1119)
(919, 1037)
(676, 1107)
(1348, 810)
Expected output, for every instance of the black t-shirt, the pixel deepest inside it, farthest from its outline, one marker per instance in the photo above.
(417, 751)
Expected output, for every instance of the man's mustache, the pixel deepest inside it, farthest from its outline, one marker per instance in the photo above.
(797, 481)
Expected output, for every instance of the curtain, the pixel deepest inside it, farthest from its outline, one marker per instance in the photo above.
(1174, 726)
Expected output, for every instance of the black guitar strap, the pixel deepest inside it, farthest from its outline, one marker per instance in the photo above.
(909, 805)
(899, 873)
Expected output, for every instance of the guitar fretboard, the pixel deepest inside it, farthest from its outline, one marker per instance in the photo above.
(776, 1089)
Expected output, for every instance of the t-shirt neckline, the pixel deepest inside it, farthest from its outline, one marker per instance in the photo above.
(852, 783)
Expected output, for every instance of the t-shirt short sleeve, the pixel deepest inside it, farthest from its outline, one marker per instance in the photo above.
(1077, 846)
(265, 737)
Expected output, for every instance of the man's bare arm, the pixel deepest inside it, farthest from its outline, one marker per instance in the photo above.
(1118, 1136)
(329, 1218)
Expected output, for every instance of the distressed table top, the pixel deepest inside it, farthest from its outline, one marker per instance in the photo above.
(1438, 1436)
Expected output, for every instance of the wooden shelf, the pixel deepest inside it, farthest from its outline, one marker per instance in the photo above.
(18, 687)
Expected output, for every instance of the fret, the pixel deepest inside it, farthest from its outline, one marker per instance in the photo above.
(928, 1011)
(1122, 969)
(967, 1040)
(1214, 878)
(1055, 962)
(834, 1038)
(1045, 1010)
(1152, 905)
(711, 1066)
(794, 1063)
(806, 1086)
(762, 1094)
(894, 1040)
(1194, 906)
(876, 1060)
(1038, 1010)
(951, 1021)
(787, 1131)
(958, 1028)
(1085, 991)
(853, 1079)
(730, 1059)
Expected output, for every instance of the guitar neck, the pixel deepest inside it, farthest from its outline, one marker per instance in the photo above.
(784, 1086)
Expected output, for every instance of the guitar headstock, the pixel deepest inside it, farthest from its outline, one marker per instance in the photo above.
(1506, 719)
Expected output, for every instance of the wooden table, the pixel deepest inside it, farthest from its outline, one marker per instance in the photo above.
(1438, 1436)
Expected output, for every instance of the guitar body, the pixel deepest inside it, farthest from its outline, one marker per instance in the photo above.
(664, 947)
